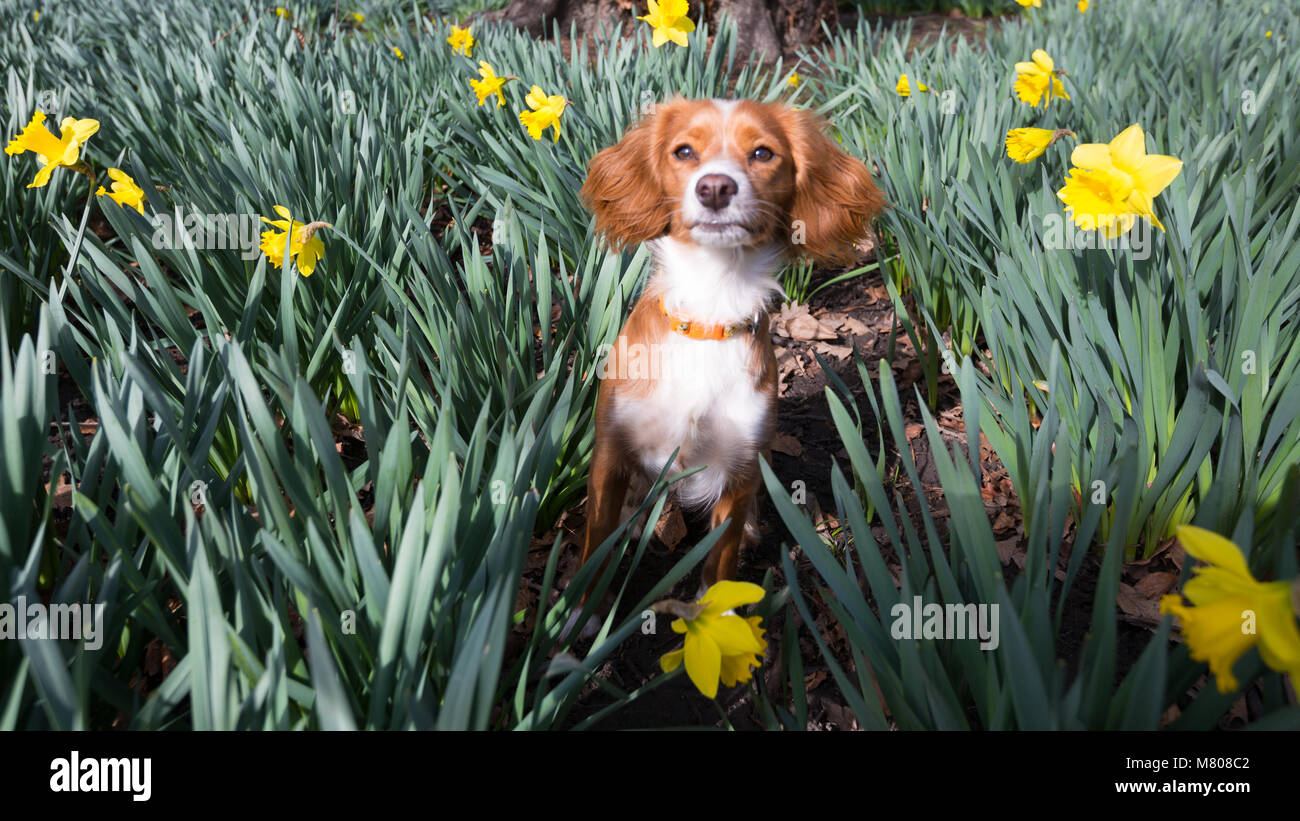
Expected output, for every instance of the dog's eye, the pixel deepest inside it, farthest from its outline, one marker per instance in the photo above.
(761, 154)
(684, 152)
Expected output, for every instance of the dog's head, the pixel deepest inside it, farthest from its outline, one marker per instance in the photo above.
(732, 174)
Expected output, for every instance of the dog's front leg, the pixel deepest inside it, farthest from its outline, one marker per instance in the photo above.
(606, 490)
(738, 503)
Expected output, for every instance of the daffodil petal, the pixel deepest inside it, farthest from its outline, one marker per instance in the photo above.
(1090, 155)
(1154, 173)
(669, 662)
(1128, 148)
(1214, 634)
(1279, 638)
(1209, 546)
(309, 255)
(732, 635)
(703, 663)
(81, 130)
(728, 595)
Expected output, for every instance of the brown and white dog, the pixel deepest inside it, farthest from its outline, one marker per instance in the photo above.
(725, 192)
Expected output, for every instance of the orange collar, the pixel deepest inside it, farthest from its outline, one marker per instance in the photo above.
(700, 330)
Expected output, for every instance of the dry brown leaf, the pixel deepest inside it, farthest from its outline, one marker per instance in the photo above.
(806, 328)
(836, 351)
(782, 318)
(1156, 585)
(854, 327)
(1137, 607)
(671, 527)
(1010, 552)
(1003, 522)
(787, 444)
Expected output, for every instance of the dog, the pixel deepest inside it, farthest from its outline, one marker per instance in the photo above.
(725, 192)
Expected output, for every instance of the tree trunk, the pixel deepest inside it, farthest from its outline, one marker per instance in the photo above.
(766, 27)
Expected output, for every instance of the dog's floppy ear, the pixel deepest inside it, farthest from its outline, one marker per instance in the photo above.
(834, 199)
(623, 187)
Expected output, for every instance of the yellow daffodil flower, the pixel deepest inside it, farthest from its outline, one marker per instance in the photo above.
(304, 246)
(1083, 5)
(793, 80)
(1026, 144)
(489, 85)
(719, 646)
(1038, 4)
(358, 17)
(546, 111)
(399, 53)
(904, 88)
(282, 13)
(461, 40)
(52, 151)
(669, 21)
(1230, 612)
(125, 191)
(1113, 184)
(1037, 79)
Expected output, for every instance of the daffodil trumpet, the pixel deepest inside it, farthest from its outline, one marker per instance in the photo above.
(1230, 611)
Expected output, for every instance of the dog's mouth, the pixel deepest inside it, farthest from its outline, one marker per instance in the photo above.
(721, 228)
(718, 225)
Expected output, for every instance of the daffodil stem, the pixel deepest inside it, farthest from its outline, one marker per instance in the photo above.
(232, 31)
(84, 168)
(725, 721)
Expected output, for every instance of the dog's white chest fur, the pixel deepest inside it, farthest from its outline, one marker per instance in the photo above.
(706, 398)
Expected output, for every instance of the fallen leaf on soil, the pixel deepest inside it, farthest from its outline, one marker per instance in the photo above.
(908, 372)
(837, 351)
(1137, 607)
(806, 328)
(62, 493)
(1156, 585)
(854, 327)
(1003, 522)
(781, 319)
(787, 363)
(787, 444)
(671, 527)
(1010, 551)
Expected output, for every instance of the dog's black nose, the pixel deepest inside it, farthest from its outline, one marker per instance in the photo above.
(715, 191)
